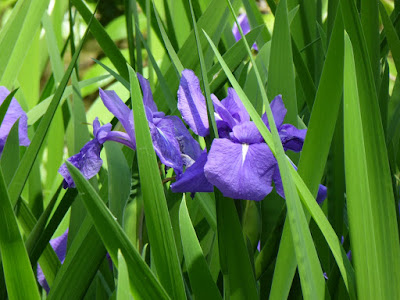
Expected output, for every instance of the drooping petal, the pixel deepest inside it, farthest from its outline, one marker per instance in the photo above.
(118, 108)
(13, 113)
(240, 171)
(235, 106)
(187, 144)
(193, 180)
(59, 244)
(244, 23)
(192, 104)
(291, 137)
(322, 190)
(247, 133)
(166, 145)
(147, 95)
(278, 111)
(88, 161)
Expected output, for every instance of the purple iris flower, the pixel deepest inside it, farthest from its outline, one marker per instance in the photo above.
(59, 245)
(13, 113)
(239, 163)
(172, 141)
(244, 23)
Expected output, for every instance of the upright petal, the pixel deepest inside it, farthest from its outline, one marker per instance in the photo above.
(118, 108)
(147, 95)
(247, 133)
(187, 144)
(166, 145)
(13, 113)
(240, 171)
(235, 106)
(278, 111)
(291, 137)
(223, 117)
(88, 161)
(192, 104)
(193, 180)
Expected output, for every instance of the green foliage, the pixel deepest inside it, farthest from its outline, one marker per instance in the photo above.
(334, 62)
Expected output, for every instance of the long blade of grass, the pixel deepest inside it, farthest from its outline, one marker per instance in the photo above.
(281, 78)
(364, 226)
(155, 206)
(19, 277)
(380, 249)
(142, 281)
(104, 40)
(16, 38)
(27, 161)
(202, 283)
(123, 290)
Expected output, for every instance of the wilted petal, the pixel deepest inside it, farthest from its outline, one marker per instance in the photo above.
(247, 133)
(291, 137)
(88, 161)
(147, 95)
(165, 144)
(193, 180)
(119, 109)
(59, 244)
(235, 106)
(240, 171)
(192, 104)
(187, 144)
(13, 113)
(278, 111)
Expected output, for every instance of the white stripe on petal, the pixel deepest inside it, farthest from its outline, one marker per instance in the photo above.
(245, 148)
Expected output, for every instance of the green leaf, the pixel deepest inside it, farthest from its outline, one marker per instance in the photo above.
(27, 161)
(104, 40)
(202, 283)
(380, 249)
(142, 281)
(281, 77)
(19, 277)
(17, 36)
(6, 103)
(158, 223)
(119, 180)
(123, 289)
(374, 237)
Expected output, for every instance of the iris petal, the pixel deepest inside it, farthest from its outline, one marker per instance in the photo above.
(119, 109)
(187, 144)
(237, 174)
(193, 180)
(291, 137)
(165, 144)
(235, 106)
(88, 161)
(278, 111)
(192, 104)
(13, 113)
(247, 132)
(59, 244)
(147, 95)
